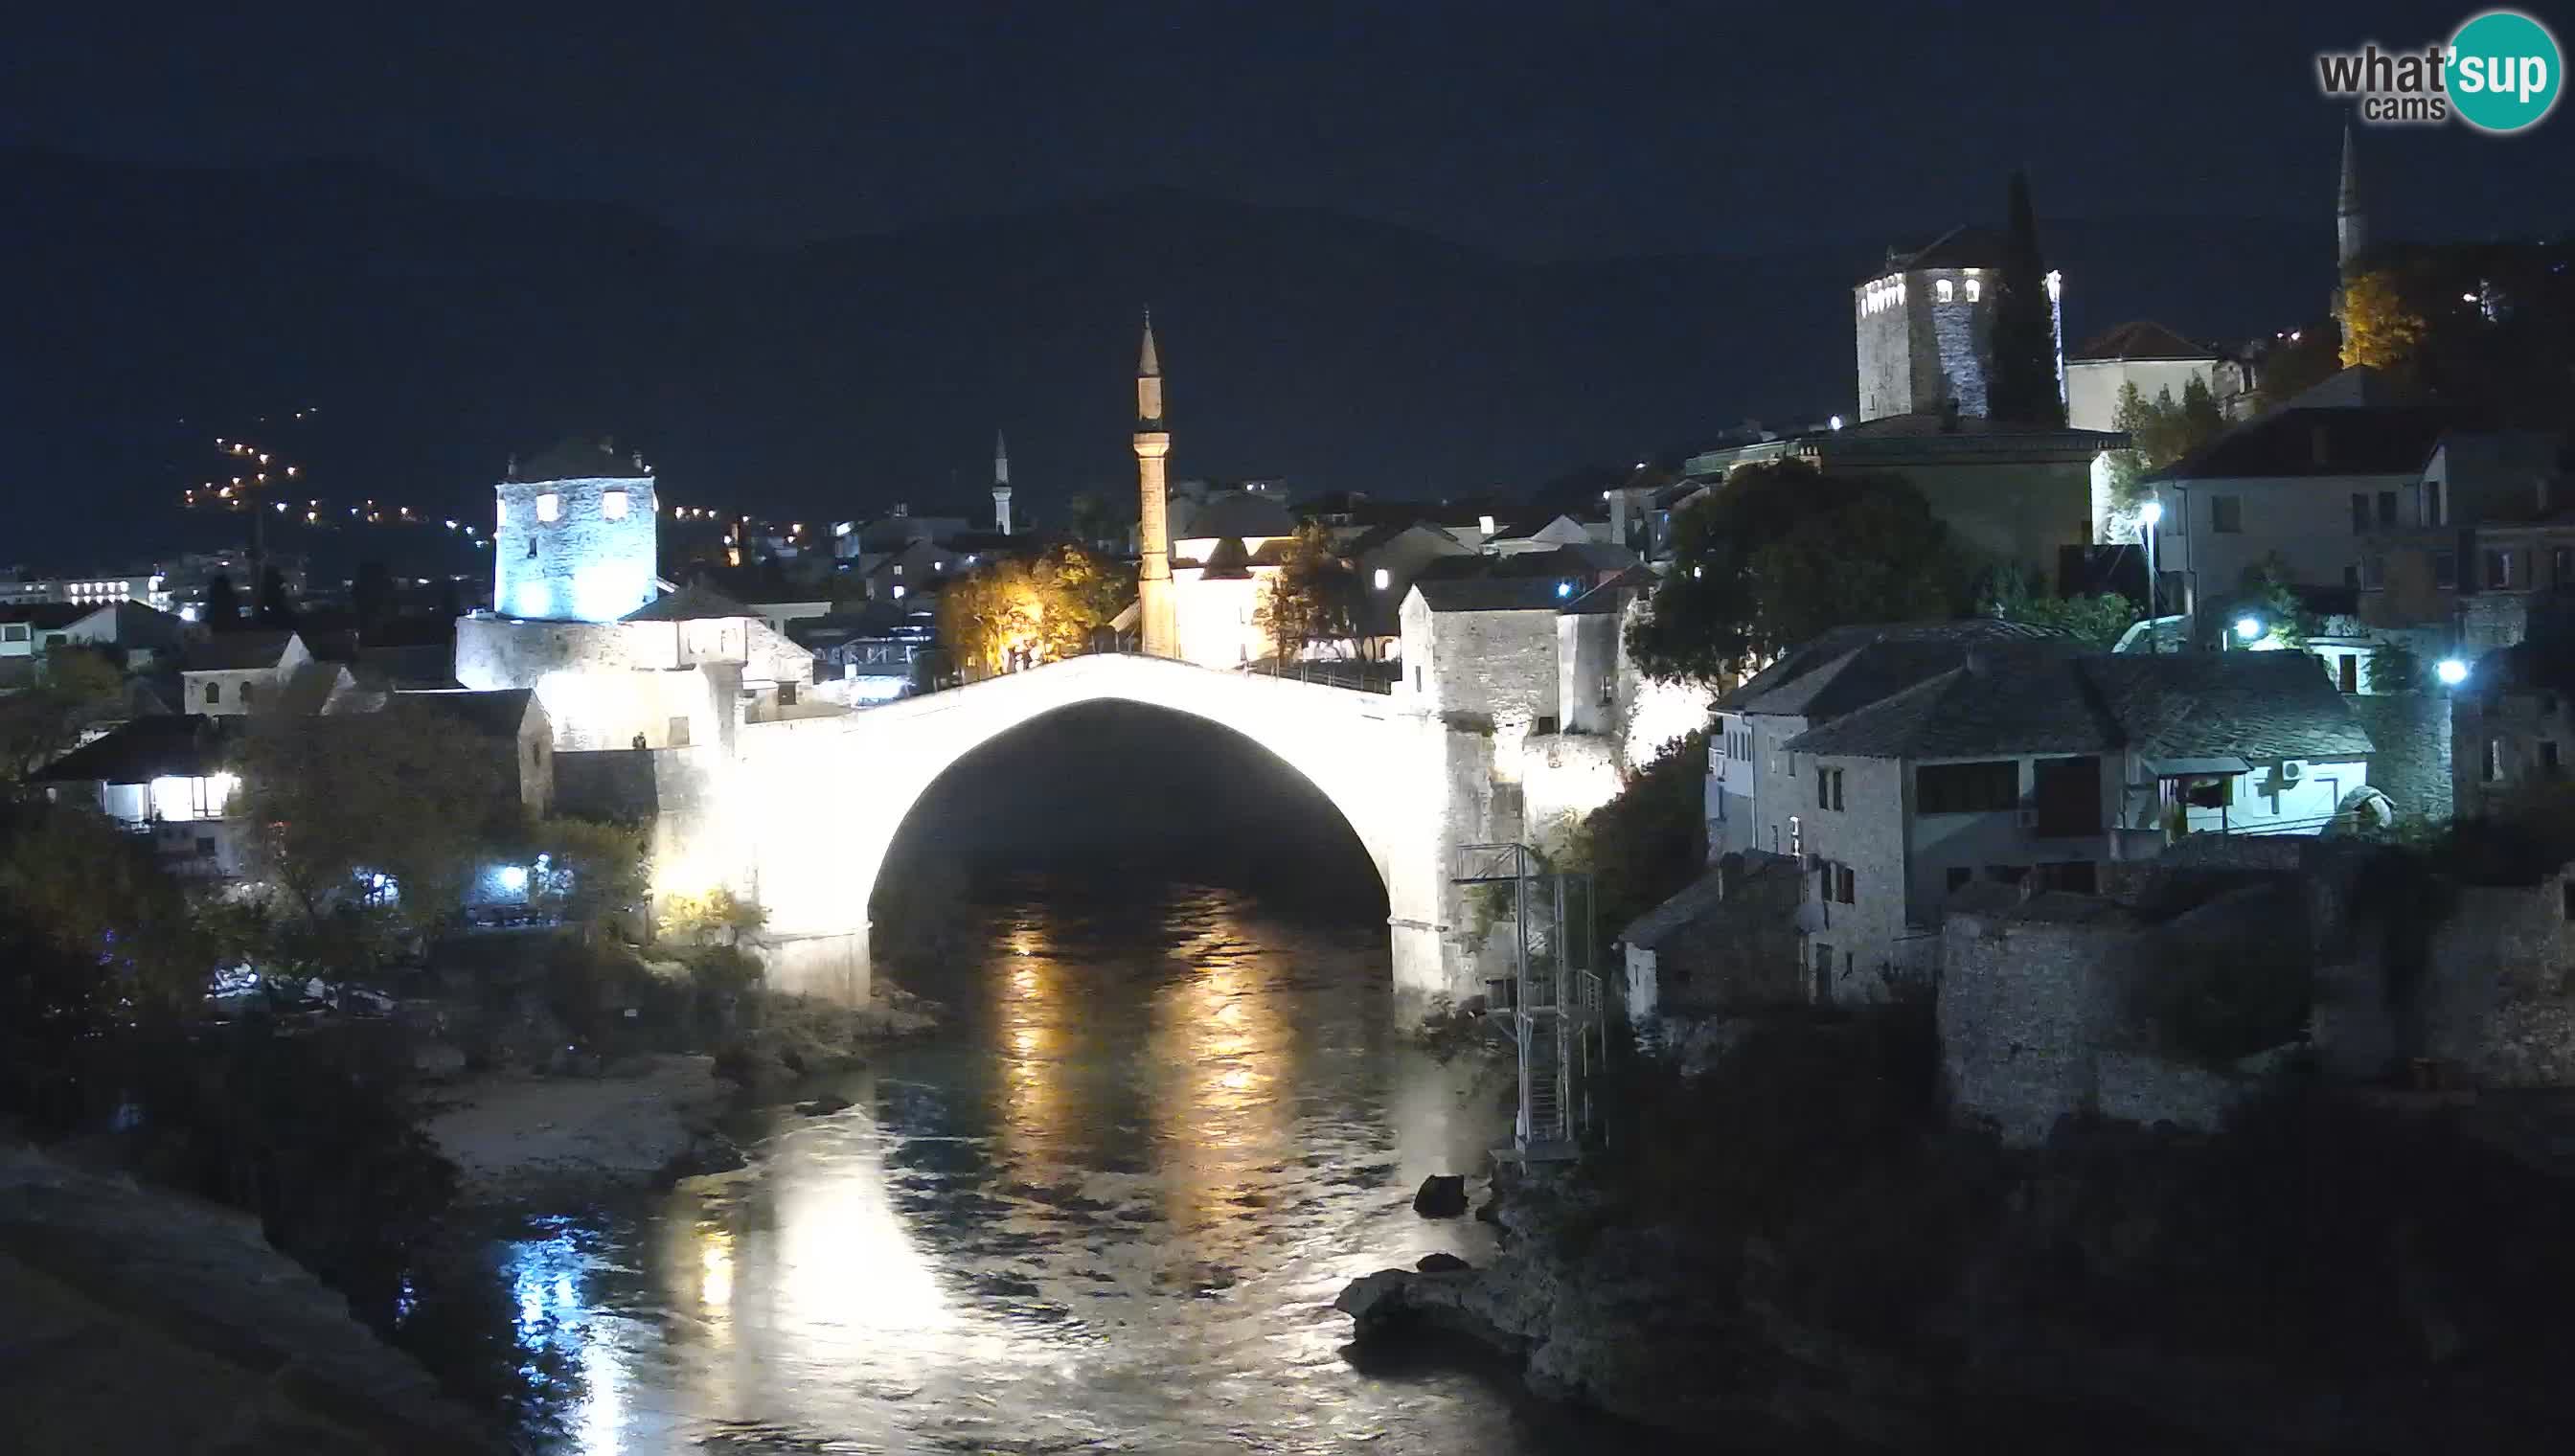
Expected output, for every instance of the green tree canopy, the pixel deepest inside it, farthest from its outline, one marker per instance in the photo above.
(2097, 621)
(2024, 386)
(1781, 551)
(340, 799)
(1314, 598)
(79, 688)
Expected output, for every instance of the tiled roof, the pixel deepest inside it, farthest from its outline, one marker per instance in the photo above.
(690, 603)
(1699, 897)
(179, 745)
(1611, 595)
(2254, 705)
(1899, 655)
(1960, 247)
(494, 712)
(1491, 594)
(2321, 440)
(2142, 339)
(236, 652)
(46, 615)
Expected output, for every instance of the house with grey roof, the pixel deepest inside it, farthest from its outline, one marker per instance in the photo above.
(1752, 800)
(229, 672)
(2031, 769)
(168, 778)
(1483, 649)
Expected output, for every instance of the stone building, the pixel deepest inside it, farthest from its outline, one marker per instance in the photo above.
(576, 536)
(2512, 726)
(1726, 944)
(2158, 361)
(1925, 322)
(2037, 768)
(230, 672)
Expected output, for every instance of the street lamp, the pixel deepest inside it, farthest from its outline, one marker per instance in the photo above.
(2247, 628)
(2451, 672)
(2152, 514)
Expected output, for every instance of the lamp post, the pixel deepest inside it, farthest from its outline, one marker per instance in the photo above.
(2152, 514)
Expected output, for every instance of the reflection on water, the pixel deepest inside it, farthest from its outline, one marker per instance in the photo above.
(1108, 1207)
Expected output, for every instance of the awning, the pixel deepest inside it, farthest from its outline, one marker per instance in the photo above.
(2196, 768)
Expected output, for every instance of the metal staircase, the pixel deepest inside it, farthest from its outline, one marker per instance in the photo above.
(1552, 989)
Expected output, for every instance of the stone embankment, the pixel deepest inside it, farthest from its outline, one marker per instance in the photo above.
(141, 1321)
(514, 1136)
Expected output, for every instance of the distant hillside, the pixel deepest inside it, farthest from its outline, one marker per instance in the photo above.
(441, 333)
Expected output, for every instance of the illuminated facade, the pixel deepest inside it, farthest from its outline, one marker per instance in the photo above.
(1925, 326)
(575, 547)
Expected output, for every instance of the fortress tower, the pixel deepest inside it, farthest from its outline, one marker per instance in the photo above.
(1157, 616)
(576, 536)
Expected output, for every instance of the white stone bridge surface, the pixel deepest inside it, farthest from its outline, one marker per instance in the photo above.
(814, 803)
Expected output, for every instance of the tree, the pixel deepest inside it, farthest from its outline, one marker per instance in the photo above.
(223, 605)
(276, 609)
(701, 917)
(2292, 366)
(2097, 621)
(588, 872)
(1650, 839)
(989, 617)
(371, 598)
(2025, 388)
(1079, 592)
(1781, 551)
(2284, 620)
(371, 825)
(1312, 598)
(78, 689)
(2395, 668)
(2379, 328)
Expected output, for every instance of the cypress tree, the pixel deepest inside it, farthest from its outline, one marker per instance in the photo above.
(2023, 387)
(223, 605)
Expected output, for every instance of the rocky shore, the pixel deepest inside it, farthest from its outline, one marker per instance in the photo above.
(520, 1136)
(2110, 1291)
(142, 1322)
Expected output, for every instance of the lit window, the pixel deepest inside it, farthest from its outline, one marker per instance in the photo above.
(611, 505)
(550, 507)
(1976, 289)
(1381, 578)
(1946, 290)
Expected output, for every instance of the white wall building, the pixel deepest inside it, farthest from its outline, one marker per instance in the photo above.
(2158, 361)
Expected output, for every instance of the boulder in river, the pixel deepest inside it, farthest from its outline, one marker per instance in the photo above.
(1441, 1264)
(1443, 1195)
(824, 1106)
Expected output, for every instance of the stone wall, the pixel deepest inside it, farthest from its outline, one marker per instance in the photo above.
(2410, 761)
(2498, 1001)
(2024, 1004)
(583, 565)
(1497, 666)
(1961, 336)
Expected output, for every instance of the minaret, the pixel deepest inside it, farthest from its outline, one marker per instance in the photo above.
(1000, 483)
(1159, 624)
(2351, 224)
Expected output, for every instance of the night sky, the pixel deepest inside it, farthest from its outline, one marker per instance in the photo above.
(1573, 135)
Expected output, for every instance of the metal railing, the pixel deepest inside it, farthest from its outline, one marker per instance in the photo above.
(1553, 993)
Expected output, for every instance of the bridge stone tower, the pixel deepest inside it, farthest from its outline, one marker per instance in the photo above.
(1158, 615)
(1000, 483)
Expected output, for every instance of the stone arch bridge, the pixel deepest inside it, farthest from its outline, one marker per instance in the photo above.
(811, 807)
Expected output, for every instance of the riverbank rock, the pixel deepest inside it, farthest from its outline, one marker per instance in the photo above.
(1441, 1264)
(144, 1321)
(1443, 1195)
(824, 1106)
(513, 1135)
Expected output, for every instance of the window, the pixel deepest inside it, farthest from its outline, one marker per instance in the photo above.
(1976, 289)
(786, 695)
(2387, 507)
(2359, 513)
(1828, 788)
(246, 694)
(2445, 570)
(2226, 513)
(14, 631)
(679, 731)
(214, 693)
(550, 507)
(2216, 792)
(1797, 837)
(1846, 883)
(1946, 290)
(2561, 567)
(1952, 788)
(2498, 569)
(611, 505)
(2489, 770)
(2548, 757)
(1381, 578)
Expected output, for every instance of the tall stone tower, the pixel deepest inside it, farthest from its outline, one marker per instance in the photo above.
(576, 536)
(1000, 483)
(1159, 622)
(2351, 223)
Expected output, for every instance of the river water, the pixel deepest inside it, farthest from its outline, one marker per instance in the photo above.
(1105, 1208)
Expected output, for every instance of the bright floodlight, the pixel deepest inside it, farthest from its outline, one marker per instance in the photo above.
(514, 878)
(2248, 628)
(2151, 513)
(2451, 672)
